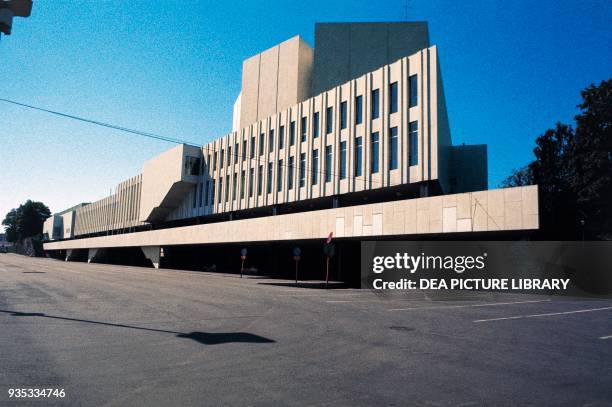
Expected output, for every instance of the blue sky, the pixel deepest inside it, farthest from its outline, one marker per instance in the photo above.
(511, 70)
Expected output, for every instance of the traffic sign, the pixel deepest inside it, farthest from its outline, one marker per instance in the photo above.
(296, 256)
(329, 249)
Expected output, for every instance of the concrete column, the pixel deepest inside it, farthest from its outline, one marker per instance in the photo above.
(152, 253)
(69, 254)
(95, 254)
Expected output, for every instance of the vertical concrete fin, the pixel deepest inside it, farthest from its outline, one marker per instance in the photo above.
(95, 254)
(152, 253)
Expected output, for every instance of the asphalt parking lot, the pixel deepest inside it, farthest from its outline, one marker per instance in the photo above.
(117, 336)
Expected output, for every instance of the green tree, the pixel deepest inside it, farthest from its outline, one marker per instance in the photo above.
(25, 221)
(573, 171)
(552, 173)
(520, 177)
(591, 161)
(10, 222)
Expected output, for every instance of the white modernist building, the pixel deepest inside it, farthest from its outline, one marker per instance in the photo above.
(351, 137)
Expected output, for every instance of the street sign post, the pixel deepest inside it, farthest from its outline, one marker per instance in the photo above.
(296, 257)
(243, 254)
(329, 250)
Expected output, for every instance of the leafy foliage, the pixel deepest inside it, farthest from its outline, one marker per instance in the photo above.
(520, 177)
(573, 171)
(591, 161)
(25, 221)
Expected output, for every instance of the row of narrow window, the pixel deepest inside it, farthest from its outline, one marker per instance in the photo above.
(329, 112)
(203, 196)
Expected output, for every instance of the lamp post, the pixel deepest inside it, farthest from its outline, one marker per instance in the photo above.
(243, 254)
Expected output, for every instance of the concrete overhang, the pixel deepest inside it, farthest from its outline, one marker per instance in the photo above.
(166, 179)
(508, 209)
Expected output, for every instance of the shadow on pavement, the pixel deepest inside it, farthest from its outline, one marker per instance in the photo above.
(317, 284)
(215, 338)
(205, 338)
(244, 276)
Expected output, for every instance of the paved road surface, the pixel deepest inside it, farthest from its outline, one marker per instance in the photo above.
(118, 336)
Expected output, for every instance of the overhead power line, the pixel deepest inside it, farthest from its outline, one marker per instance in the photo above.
(177, 141)
(258, 159)
(103, 124)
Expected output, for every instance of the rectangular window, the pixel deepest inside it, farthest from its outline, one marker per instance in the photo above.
(212, 192)
(242, 180)
(358, 156)
(393, 148)
(315, 125)
(269, 178)
(271, 141)
(261, 144)
(192, 166)
(215, 161)
(227, 188)
(343, 113)
(201, 197)
(252, 146)
(292, 133)
(260, 180)
(328, 163)
(195, 196)
(221, 159)
(229, 156)
(234, 186)
(304, 128)
(220, 190)
(206, 195)
(342, 159)
(375, 104)
(244, 150)
(290, 173)
(374, 152)
(302, 169)
(279, 176)
(413, 143)
(413, 91)
(281, 137)
(358, 109)
(393, 98)
(329, 120)
(251, 182)
(315, 167)
(236, 152)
